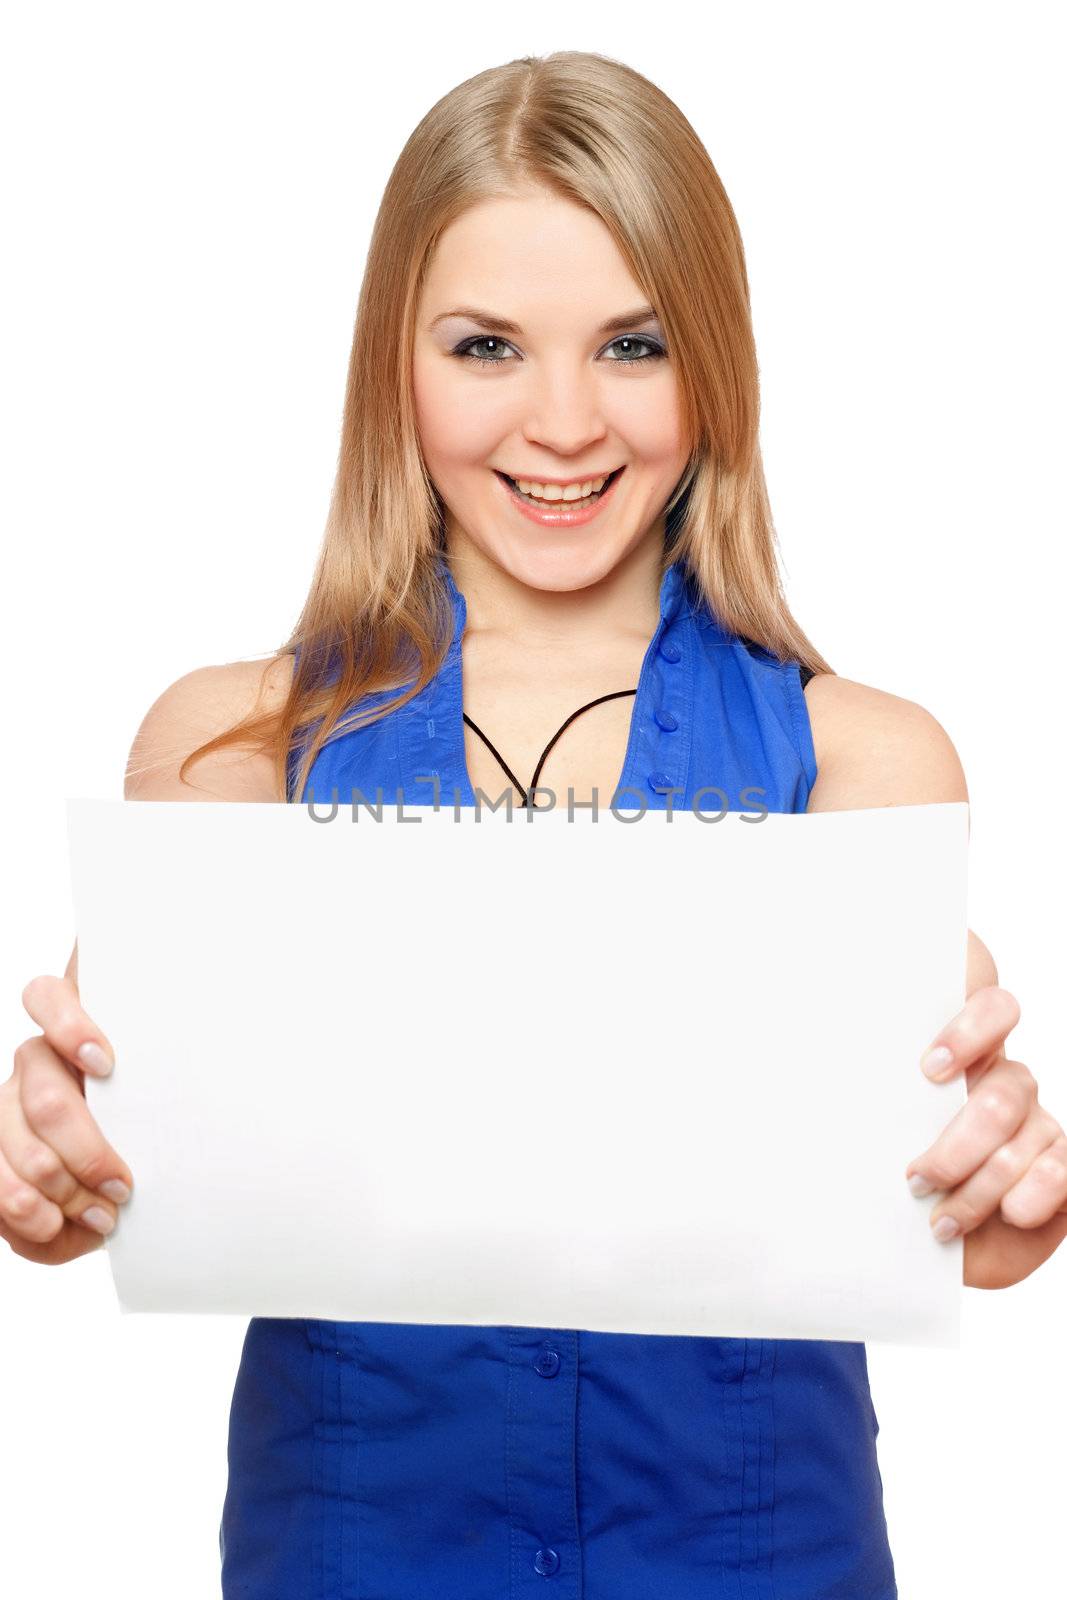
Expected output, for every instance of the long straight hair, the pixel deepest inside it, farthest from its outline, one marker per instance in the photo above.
(377, 617)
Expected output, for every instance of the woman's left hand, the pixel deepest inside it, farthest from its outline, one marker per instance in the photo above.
(1002, 1160)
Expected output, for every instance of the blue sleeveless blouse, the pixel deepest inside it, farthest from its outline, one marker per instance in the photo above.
(399, 1461)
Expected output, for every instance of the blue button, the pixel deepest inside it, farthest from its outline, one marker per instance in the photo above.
(546, 1562)
(547, 1363)
(660, 780)
(669, 650)
(666, 719)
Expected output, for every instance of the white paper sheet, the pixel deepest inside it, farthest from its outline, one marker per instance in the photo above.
(655, 1076)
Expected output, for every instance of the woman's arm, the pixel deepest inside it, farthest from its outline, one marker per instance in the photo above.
(195, 708)
(192, 710)
(875, 749)
(1001, 1163)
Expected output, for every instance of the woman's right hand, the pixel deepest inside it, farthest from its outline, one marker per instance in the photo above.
(56, 1168)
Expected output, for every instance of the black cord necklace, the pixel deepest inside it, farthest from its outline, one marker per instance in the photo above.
(526, 800)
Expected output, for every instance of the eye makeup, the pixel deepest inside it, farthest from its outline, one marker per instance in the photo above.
(654, 351)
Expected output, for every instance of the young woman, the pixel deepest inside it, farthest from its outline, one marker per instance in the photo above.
(549, 571)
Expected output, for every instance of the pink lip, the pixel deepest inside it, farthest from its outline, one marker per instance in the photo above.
(556, 517)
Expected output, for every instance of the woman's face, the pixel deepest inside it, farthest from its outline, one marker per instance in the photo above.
(533, 359)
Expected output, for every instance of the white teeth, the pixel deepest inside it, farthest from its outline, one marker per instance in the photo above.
(553, 491)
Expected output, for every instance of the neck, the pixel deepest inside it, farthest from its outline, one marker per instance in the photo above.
(624, 600)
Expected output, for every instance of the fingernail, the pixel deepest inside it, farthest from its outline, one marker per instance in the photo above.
(936, 1060)
(945, 1228)
(96, 1217)
(115, 1189)
(90, 1055)
(916, 1183)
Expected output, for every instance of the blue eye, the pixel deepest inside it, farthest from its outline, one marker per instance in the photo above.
(465, 351)
(655, 351)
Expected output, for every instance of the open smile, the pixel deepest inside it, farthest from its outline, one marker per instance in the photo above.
(560, 513)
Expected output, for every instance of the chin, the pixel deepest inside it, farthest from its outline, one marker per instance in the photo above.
(559, 571)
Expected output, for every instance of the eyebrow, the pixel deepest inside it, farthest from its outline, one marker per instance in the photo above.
(489, 319)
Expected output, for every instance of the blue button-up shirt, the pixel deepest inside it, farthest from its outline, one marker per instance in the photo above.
(400, 1461)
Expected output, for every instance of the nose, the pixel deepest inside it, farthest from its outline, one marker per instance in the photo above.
(564, 414)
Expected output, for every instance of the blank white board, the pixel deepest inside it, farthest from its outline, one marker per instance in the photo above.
(646, 1073)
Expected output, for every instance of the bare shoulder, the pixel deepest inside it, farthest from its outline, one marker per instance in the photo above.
(195, 708)
(873, 748)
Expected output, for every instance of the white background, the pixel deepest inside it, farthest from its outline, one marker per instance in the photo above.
(188, 193)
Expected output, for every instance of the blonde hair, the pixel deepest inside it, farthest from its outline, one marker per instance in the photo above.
(377, 616)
